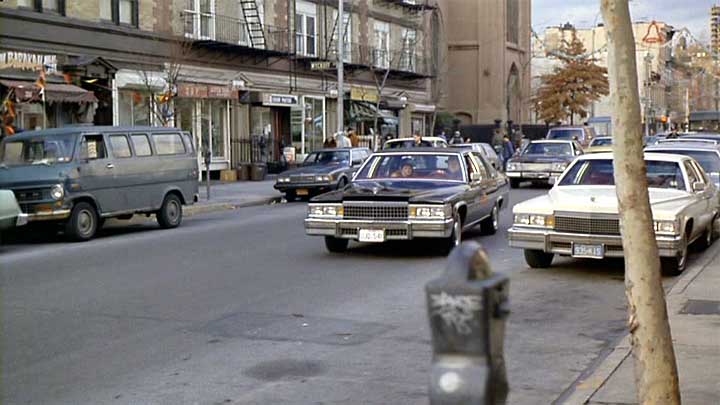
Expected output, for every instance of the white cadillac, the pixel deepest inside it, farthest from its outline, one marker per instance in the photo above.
(579, 215)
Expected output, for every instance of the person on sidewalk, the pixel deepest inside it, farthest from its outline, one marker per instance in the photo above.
(457, 138)
(508, 151)
(354, 138)
(342, 141)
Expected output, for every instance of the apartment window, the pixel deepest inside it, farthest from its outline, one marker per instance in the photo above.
(305, 28)
(512, 14)
(247, 25)
(52, 6)
(347, 37)
(200, 19)
(408, 59)
(381, 53)
(120, 11)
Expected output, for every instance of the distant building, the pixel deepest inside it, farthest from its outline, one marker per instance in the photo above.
(715, 28)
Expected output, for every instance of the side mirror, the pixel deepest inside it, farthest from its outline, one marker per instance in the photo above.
(698, 186)
(475, 177)
(357, 162)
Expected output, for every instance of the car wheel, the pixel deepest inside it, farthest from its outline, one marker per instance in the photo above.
(83, 222)
(707, 237)
(491, 224)
(290, 196)
(336, 245)
(674, 266)
(514, 183)
(342, 183)
(537, 259)
(455, 237)
(170, 214)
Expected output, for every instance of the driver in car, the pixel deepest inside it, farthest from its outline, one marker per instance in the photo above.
(406, 170)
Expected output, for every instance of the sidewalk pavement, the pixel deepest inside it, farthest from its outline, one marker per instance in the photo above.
(694, 311)
(232, 195)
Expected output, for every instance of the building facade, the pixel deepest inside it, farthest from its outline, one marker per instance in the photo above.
(247, 78)
(487, 60)
(715, 28)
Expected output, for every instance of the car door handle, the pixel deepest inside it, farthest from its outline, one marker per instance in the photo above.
(110, 166)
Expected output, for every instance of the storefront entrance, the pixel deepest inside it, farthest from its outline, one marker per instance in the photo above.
(210, 119)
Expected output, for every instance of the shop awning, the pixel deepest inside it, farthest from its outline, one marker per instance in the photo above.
(365, 111)
(26, 91)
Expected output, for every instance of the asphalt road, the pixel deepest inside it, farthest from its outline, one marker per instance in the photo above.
(241, 307)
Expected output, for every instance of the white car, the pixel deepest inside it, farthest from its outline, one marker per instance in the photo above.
(579, 216)
(427, 141)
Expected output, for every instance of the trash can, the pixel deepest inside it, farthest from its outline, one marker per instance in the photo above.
(243, 172)
(257, 171)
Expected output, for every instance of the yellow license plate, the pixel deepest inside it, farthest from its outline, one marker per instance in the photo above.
(301, 191)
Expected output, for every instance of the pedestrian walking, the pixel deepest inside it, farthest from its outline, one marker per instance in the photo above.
(508, 151)
(354, 138)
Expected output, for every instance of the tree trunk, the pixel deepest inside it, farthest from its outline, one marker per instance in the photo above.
(656, 375)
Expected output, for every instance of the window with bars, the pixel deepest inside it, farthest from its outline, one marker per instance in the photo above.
(408, 60)
(245, 26)
(200, 19)
(347, 37)
(121, 12)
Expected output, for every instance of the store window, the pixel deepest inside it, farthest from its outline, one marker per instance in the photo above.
(314, 120)
(134, 108)
(305, 28)
(50, 6)
(200, 19)
(381, 53)
(418, 125)
(213, 126)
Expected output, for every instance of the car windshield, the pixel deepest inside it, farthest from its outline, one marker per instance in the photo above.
(565, 134)
(600, 173)
(601, 142)
(406, 144)
(709, 160)
(328, 158)
(548, 148)
(44, 150)
(413, 167)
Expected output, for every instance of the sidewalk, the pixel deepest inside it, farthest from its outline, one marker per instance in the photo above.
(694, 310)
(227, 196)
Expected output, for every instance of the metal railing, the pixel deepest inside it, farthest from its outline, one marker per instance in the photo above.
(234, 31)
(400, 61)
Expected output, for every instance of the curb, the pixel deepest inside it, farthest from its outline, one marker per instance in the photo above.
(585, 388)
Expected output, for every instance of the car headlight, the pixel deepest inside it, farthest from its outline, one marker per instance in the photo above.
(511, 167)
(57, 192)
(667, 227)
(559, 166)
(283, 179)
(325, 210)
(323, 178)
(545, 221)
(429, 211)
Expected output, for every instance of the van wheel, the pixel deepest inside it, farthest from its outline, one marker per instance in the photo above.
(83, 222)
(170, 214)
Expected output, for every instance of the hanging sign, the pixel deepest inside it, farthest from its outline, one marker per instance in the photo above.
(281, 100)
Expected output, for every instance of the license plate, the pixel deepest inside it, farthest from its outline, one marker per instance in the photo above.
(301, 191)
(371, 235)
(537, 175)
(589, 251)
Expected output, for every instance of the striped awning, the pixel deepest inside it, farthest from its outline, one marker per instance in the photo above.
(26, 91)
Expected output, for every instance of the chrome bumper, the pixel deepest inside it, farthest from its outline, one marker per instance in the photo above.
(49, 215)
(22, 219)
(544, 175)
(550, 241)
(394, 230)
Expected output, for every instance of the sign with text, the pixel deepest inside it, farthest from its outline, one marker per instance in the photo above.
(281, 100)
(28, 61)
(322, 65)
(358, 93)
(195, 90)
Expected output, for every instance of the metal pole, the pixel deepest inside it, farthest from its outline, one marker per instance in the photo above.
(340, 70)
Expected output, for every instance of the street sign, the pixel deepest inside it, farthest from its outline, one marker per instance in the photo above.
(322, 65)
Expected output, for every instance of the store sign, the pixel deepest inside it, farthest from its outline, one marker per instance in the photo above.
(322, 65)
(194, 90)
(358, 93)
(28, 61)
(283, 100)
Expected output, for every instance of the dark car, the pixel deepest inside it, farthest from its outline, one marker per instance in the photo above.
(542, 161)
(322, 170)
(582, 134)
(707, 155)
(411, 193)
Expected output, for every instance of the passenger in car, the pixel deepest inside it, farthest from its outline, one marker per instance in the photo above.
(454, 171)
(406, 170)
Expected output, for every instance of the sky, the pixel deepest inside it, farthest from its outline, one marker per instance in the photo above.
(691, 14)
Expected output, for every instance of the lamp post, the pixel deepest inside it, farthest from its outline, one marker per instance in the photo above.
(340, 69)
(648, 96)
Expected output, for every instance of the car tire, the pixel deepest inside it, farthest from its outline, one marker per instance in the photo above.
(674, 266)
(290, 196)
(83, 222)
(491, 224)
(514, 183)
(170, 213)
(336, 245)
(342, 183)
(537, 259)
(455, 238)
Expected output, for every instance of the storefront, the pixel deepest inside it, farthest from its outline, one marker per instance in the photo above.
(421, 118)
(133, 98)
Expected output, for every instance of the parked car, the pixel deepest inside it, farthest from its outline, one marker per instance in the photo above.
(710, 136)
(541, 161)
(322, 170)
(600, 144)
(707, 155)
(79, 176)
(10, 214)
(582, 134)
(487, 151)
(579, 217)
(427, 141)
(411, 193)
(685, 140)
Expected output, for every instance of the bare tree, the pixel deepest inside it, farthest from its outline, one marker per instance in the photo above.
(160, 105)
(380, 72)
(656, 374)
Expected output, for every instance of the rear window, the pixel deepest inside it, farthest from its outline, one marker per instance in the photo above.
(168, 144)
(566, 134)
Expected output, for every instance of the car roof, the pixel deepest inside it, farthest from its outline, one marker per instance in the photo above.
(552, 141)
(568, 127)
(336, 149)
(424, 138)
(88, 129)
(602, 137)
(654, 156)
(684, 146)
(424, 149)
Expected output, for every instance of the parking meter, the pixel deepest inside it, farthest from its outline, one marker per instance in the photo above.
(207, 157)
(467, 308)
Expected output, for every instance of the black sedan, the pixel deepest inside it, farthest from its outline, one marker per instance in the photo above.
(541, 161)
(411, 193)
(322, 170)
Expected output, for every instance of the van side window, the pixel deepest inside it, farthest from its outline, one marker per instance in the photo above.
(168, 144)
(189, 141)
(141, 143)
(120, 146)
(93, 147)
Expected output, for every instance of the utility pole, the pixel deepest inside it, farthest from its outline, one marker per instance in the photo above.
(648, 88)
(340, 69)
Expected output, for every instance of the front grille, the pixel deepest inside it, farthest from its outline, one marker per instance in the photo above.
(303, 178)
(593, 226)
(536, 166)
(32, 194)
(379, 212)
(349, 231)
(396, 232)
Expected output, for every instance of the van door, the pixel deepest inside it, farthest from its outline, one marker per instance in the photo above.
(126, 175)
(96, 173)
(145, 190)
